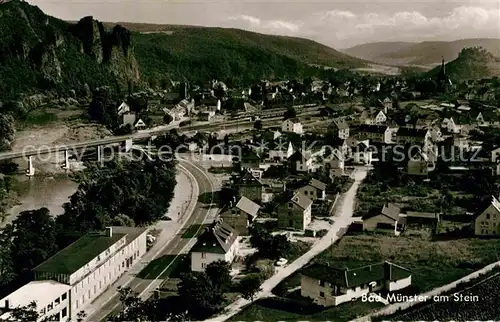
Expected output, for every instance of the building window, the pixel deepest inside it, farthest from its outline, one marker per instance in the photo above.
(57, 301)
(64, 313)
(76, 303)
(321, 283)
(64, 296)
(290, 205)
(487, 216)
(321, 294)
(203, 265)
(203, 255)
(50, 307)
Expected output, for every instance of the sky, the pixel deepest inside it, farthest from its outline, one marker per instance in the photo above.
(339, 24)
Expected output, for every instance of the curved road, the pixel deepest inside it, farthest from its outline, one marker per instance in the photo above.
(178, 245)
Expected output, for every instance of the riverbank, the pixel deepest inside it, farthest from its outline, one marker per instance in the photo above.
(36, 192)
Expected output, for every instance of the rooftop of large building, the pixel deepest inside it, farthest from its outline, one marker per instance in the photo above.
(78, 254)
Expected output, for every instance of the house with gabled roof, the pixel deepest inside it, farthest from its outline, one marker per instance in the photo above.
(249, 186)
(241, 215)
(450, 125)
(340, 128)
(296, 213)
(487, 223)
(292, 125)
(314, 189)
(387, 219)
(219, 242)
(406, 135)
(329, 286)
(380, 118)
(123, 108)
(372, 132)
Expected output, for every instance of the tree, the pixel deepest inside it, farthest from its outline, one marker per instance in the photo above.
(138, 103)
(257, 125)
(23, 314)
(219, 273)
(250, 286)
(33, 239)
(201, 296)
(6, 266)
(7, 131)
(135, 309)
(167, 119)
(290, 113)
(104, 107)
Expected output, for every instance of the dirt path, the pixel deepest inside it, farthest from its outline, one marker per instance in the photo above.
(343, 219)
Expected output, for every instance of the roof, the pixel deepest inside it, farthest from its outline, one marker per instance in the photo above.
(131, 232)
(78, 254)
(416, 214)
(406, 131)
(298, 155)
(350, 278)
(301, 200)
(294, 120)
(390, 210)
(42, 292)
(340, 124)
(369, 128)
(248, 206)
(317, 184)
(216, 239)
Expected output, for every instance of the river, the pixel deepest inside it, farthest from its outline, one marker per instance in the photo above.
(38, 192)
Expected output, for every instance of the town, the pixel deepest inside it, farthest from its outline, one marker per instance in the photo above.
(298, 175)
(351, 197)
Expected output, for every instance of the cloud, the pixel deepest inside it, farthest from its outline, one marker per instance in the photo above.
(257, 24)
(348, 28)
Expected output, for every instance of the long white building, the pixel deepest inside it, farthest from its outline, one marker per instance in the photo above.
(70, 280)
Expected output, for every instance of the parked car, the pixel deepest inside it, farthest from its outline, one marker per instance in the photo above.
(281, 262)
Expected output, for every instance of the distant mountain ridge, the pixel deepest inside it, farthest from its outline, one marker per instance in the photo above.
(41, 54)
(426, 53)
(177, 49)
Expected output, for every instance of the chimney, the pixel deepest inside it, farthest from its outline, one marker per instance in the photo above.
(109, 232)
(7, 304)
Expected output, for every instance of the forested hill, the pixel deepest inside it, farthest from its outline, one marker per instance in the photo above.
(42, 53)
(471, 63)
(39, 53)
(204, 52)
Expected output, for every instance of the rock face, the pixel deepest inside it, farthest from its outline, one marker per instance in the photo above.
(40, 53)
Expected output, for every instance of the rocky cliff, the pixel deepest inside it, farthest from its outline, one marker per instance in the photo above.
(40, 53)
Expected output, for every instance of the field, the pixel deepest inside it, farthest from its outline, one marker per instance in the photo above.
(432, 263)
(272, 309)
(484, 307)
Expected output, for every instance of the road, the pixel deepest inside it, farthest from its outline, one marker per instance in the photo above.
(178, 245)
(343, 219)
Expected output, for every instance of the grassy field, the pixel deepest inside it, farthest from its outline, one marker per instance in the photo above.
(162, 267)
(193, 231)
(274, 310)
(433, 263)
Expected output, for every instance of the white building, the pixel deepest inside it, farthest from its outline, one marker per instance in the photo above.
(51, 299)
(380, 118)
(292, 125)
(79, 273)
(219, 242)
(123, 108)
(329, 286)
